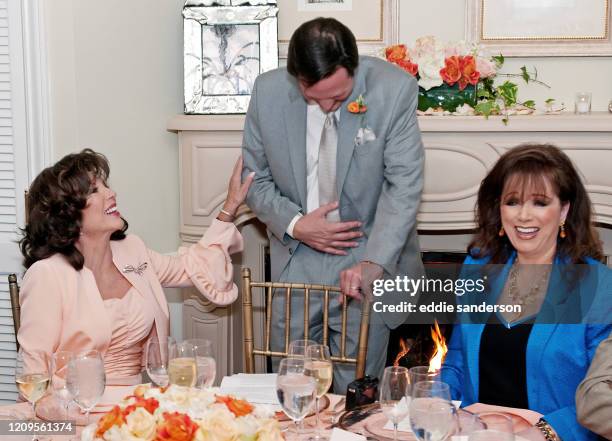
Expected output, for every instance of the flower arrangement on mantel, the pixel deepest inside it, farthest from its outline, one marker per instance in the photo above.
(459, 78)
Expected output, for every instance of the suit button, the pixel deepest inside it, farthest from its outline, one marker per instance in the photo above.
(290, 250)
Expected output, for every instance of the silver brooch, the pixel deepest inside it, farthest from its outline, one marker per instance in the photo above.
(138, 270)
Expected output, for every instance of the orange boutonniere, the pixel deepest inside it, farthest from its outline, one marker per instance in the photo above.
(357, 106)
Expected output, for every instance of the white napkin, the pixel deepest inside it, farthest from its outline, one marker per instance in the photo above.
(255, 388)
(343, 435)
(404, 425)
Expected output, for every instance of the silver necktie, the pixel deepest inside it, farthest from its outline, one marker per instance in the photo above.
(327, 165)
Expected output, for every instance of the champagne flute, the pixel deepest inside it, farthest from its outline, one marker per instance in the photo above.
(296, 391)
(182, 367)
(156, 363)
(394, 392)
(297, 348)
(432, 415)
(205, 360)
(498, 427)
(32, 376)
(86, 380)
(59, 371)
(319, 366)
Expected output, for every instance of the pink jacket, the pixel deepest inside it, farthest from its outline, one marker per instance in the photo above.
(61, 308)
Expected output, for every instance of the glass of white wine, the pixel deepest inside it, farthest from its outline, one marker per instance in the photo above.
(182, 365)
(156, 362)
(319, 366)
(86, 380)
(32, 376)
(205, 359)
(296, 391)
(59, 371)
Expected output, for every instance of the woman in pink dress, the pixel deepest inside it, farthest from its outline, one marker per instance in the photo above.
(88, 285)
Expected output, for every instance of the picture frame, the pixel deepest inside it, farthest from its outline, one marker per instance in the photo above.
(516, 28)
(372, 35)
(227, 44)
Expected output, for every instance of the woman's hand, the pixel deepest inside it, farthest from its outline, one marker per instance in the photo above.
(237, 190)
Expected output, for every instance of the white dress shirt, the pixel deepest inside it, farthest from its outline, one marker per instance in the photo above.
(315, 119)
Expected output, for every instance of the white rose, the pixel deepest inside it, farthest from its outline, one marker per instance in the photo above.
(217, 425)
(141, 424)
(269, 430)
(429, 72)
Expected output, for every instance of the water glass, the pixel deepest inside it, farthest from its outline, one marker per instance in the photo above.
(296, 391)
(182, 365)
(432, 415)
(498, 427)
(156, 363)
(86, 380)
(394, 395)
(319, 366)
(59, 372)
(297, 348)
(32, 376)
(205, 360)
(422, 373)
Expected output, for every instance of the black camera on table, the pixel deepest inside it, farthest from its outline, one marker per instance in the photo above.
(361, 392)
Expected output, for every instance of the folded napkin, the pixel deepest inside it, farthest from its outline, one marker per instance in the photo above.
(255, 388)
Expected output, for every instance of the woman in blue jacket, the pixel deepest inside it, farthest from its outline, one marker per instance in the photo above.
(539, 250)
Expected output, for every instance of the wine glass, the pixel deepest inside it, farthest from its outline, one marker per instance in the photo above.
(319, 366)
(156, 363)
(432, 415)
(498, 427)
(297, 348)
(182, 367)
(422, 373)
(86, 380)
(296, 391)
(59, 371)
(394, 391)
(32, 376)
(205, 360)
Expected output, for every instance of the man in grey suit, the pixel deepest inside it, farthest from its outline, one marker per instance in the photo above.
(594, 395)
(338, 191)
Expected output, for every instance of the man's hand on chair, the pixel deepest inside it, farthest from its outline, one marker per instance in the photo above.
(356, 279)
(314, 230)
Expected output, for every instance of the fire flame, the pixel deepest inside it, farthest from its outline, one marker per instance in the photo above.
(404, 349)
(435, 364)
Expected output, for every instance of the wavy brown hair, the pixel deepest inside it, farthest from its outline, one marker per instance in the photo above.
(56, 200)
(528, 166)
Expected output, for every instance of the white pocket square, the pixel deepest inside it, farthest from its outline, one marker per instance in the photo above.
(365, 134)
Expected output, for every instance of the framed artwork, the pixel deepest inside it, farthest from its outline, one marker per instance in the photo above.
(227, 44)
(375, 23)
(541, 27)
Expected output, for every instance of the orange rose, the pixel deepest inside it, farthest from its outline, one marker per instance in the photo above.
(469, 74)
(353, 107)
(176, 427)
(149, 405)
(396, 53)
(409, 66)
(113, 418)
(451, 72)
(237, 407)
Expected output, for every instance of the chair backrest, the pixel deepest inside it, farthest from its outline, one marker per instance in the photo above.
(309, 290)
(15, 308)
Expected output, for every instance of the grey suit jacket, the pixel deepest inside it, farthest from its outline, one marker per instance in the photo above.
(379, 182)
(594, 395)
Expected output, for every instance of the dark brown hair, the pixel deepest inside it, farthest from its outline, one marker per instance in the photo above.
(530, 165)
(56, 199)
(319, 47)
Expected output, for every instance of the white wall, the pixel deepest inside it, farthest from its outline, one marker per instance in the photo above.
(116, 79)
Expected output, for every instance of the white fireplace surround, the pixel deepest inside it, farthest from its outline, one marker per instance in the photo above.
(459, 151)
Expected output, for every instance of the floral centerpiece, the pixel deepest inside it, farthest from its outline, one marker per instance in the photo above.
(184, 414)
(460, 78)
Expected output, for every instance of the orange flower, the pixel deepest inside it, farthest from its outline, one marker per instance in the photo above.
(176, 427)
(237, 407)
(149, 405)
(357, 106)
(353, 107)
(409, 66)
(396, 53)
(113, 418)
(461, 69)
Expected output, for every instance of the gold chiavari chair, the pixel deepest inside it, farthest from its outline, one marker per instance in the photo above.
(15, 308)
(309, 290)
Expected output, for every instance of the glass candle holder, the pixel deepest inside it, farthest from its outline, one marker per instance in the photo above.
(582, 103)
